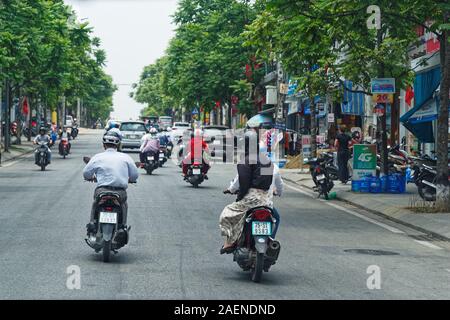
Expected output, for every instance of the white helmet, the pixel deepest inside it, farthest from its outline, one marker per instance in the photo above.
(153, 131)
(169, 129)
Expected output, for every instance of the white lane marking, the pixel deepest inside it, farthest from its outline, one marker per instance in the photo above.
(380, 224)
(428, 244)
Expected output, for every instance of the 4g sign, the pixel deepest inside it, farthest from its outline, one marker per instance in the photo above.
(364, 160)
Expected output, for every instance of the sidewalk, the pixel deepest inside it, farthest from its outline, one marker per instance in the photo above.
(391, 206)
(15, 151)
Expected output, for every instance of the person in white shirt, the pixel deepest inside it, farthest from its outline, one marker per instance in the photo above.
(113, 171)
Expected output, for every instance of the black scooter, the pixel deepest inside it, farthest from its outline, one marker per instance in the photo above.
(320, 176)
(106, 236)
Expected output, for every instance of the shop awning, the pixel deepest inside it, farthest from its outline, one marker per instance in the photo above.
(353, 103)
(419, 119)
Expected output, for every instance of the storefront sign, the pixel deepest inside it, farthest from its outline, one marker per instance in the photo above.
(383, 98)
(364, 160)
(306, 145)
(383, 85)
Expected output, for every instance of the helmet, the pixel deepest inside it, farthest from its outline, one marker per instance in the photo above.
(111, 138)
(153, 131)
(169, 129)
(42, 130)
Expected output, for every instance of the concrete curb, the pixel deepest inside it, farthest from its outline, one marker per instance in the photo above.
(429, 233)
(16, 157)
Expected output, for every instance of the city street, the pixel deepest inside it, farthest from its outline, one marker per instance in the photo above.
(175, 240)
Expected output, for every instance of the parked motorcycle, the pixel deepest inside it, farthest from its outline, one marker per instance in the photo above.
(42, 155)
(107, 236)
(331, 169)
(320, 176)
(194, 174)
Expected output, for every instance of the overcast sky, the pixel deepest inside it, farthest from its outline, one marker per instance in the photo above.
(134, 33)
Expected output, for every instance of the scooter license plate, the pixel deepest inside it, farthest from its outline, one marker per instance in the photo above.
(108, 217)
(150, 158)
(161, 155)
(196, 171)
(216, 142)
(261, 228)
(321, 177)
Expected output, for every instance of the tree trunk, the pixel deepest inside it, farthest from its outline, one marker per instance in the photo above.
(443, 190)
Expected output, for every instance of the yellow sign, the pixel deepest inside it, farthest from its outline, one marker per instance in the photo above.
(383, 98)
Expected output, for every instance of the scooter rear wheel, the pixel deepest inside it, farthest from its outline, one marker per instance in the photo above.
(106, 251)
(258, 269)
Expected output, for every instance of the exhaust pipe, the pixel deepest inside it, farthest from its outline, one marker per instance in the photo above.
(273, 250)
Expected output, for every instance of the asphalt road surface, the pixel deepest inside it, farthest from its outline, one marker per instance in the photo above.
(175, 240)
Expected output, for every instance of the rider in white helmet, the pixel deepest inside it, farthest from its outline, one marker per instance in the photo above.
(149, 145)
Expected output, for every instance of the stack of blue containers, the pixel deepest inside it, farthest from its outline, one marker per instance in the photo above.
(393, 183)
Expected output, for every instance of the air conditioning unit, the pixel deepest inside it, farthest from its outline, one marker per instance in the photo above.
(271, 95)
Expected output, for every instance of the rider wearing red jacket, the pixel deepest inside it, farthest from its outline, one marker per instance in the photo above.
(196, 147)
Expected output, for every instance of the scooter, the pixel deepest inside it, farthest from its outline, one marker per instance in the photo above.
(151, 163)
(162, 156)
(256, 251)
(195, 175)
(42, 155)
(320, 176)
(106, 234)
(64, 147)
(74, 132)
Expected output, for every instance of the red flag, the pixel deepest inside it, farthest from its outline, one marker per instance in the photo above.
(25, 108)
(409, 95)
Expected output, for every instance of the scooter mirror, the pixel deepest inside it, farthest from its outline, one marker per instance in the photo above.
(86, 159)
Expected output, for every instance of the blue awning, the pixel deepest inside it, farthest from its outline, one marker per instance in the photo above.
(419, 119)
(353, 103)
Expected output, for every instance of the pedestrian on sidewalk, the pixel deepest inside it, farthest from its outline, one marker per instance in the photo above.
(343, 154)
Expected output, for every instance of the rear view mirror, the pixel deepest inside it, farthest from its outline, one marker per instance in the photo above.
(86, 159)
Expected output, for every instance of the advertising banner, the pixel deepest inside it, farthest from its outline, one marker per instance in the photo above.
(364, 160)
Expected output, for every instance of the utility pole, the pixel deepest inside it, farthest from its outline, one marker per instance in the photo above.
(384, 153)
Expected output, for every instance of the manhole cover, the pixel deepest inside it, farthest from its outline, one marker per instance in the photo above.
(372, 252)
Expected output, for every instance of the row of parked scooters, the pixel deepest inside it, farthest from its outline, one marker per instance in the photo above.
(420, 170)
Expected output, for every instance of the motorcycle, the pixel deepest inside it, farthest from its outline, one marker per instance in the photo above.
(169, 150)
(162, 155)
(256, 251)
(332, 170)
(64, 147)
(42, 155)
(181, 149)
(74, 132)
(320, 176)
(195, 175)
(106, 235)
(151, 163)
